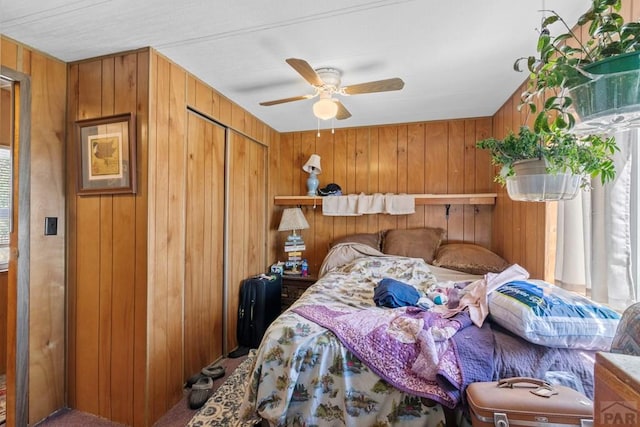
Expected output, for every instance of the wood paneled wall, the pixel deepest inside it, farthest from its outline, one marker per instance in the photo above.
(428, 157)
(47, 272)
(139, 270)
(107, 263)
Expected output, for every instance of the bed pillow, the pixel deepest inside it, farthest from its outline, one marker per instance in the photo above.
(370, 239)
(548, 315)
(469, 258)
(415, 242)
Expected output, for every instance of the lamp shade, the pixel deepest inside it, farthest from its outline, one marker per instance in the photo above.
(325, 109)
(313, 165)
(293, 219)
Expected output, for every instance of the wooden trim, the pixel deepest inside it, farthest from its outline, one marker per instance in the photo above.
(421, 199)
(18, 317)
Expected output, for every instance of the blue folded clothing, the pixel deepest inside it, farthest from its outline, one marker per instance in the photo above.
(393, 293)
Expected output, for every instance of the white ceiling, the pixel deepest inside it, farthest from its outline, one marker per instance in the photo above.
(455, 56)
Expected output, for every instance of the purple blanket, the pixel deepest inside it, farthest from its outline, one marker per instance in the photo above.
(411, 349)
(515, 357)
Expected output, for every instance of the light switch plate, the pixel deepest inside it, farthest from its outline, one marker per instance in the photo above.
(50, 226)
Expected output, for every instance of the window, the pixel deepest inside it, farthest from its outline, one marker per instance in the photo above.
(6, 139)
(5, 205)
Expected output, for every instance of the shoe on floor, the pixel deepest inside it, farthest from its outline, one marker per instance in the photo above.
(213, 371)
(192, 380)
(200, 392)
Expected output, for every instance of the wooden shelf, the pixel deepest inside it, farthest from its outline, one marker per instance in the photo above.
(421, 199)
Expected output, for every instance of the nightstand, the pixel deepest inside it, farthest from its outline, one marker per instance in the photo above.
(293, 287)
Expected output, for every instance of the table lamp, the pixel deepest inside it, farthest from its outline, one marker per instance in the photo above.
(293, 220)
(312, 167)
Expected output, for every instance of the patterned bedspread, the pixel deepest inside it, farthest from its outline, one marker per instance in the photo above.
(304, 375)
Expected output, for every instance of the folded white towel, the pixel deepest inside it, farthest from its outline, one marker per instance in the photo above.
(340, 205)
(399, 204)
(370, 204)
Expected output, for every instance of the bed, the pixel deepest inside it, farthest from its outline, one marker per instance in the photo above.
(334, 358)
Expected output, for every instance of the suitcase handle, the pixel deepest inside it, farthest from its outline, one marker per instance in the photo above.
(509, 382)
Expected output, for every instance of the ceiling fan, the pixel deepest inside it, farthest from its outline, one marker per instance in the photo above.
(326, 84)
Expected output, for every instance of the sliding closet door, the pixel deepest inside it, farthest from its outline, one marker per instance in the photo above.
(204, 219)
(247, 220)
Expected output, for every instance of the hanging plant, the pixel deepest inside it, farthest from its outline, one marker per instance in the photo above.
(566, 62)
(589, 156)
(566, 65)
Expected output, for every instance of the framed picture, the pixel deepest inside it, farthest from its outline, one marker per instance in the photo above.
(106, 155)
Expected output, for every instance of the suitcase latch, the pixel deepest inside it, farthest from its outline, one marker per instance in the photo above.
(500, 419)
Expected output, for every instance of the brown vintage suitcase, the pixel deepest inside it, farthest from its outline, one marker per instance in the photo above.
(511, 402)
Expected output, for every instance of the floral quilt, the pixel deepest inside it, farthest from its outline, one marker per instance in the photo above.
(304, 376)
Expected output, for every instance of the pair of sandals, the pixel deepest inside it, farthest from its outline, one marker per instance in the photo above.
(201, 385)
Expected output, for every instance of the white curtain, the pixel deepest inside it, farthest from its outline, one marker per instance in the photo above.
(596, 234)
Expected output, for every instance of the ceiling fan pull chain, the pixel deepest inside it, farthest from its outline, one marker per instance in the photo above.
(318, 128)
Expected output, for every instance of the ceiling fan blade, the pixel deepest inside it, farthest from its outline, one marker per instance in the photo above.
(343, 113)
(377, 86)
(283, 100)
(306, 71)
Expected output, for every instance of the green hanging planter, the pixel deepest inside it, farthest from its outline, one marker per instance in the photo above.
(615, 64)
(611, 100)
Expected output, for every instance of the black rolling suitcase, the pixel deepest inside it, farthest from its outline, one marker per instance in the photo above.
(259, 306)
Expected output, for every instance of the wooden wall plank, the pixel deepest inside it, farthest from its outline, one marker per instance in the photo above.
(469, 178)
(361, 172)
(176, 229)
(416, 170)
(88, 232)
(72, 238)
(339, 159)
(455, 178)
(322, 225)
(402, 170)
(106, 258)
(141, 239)
(388, 174)
(374, 177)
(436, 165)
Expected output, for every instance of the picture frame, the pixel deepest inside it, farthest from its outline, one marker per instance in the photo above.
(106, 155)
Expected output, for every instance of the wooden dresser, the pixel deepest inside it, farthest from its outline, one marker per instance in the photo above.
(617, 390)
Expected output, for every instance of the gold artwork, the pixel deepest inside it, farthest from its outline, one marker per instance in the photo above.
(105, 156)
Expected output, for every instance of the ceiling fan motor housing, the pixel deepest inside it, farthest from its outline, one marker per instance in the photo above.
(330, 77)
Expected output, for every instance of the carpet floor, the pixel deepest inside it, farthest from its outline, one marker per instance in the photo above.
(179, 415)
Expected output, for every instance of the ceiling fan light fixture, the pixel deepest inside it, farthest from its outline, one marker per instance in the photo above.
(325, 109)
